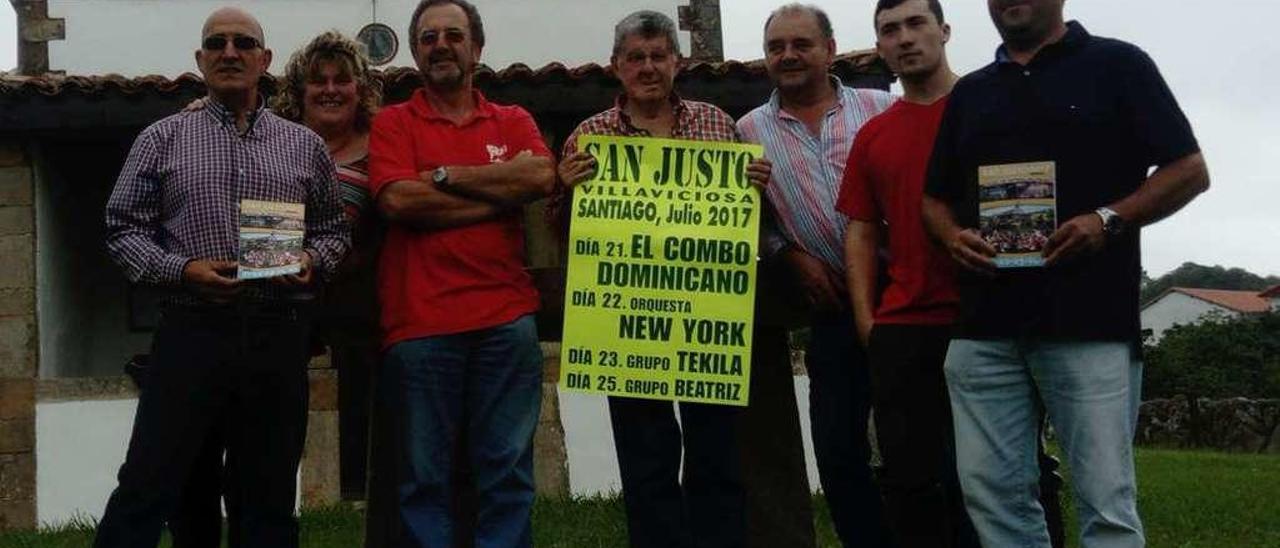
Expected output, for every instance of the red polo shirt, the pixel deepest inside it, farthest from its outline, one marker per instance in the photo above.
(884, 182)
(439, 282)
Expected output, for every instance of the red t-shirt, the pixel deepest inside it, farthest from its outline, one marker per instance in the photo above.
(438, 282)
(884, 181)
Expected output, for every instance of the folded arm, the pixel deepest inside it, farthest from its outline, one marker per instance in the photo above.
(518, 181)
(422, 205)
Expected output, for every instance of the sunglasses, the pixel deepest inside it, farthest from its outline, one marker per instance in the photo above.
(452, 36)
(240, 41)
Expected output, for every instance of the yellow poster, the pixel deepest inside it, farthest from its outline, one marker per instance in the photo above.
(659, 301)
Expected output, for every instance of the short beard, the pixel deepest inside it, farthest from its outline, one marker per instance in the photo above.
(1026, 36)
(1022, 38)
(452, 82)
(806, 84)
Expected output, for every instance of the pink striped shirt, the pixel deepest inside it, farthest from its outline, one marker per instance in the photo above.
(808, 168)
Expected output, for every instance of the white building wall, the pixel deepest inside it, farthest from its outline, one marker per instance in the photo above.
(1177, 308)
(80, 449)
(83, 443)
(141, 37)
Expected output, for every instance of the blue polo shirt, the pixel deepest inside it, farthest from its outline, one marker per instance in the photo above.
(1100, 110)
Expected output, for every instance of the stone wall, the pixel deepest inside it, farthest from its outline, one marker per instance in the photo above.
(18, 342)
(1235, 424)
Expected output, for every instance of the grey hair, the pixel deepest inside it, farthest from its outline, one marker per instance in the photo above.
(824, 22)
(647, 24)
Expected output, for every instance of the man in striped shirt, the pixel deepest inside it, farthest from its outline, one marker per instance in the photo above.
(807, 129)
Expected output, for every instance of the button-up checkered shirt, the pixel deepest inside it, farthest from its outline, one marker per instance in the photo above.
(178, 195)
(696, 121)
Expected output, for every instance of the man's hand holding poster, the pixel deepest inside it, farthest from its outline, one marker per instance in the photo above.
(659, 301)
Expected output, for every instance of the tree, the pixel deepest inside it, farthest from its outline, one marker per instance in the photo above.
(1208, 277)
(1219, 357)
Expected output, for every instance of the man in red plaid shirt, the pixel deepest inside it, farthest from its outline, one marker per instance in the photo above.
(708, 511)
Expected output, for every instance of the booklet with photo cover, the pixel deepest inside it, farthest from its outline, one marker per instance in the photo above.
(1017, 211)
(271, 235)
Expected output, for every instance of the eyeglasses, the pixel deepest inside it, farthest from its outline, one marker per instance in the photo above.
(452, 36)
(240, 41)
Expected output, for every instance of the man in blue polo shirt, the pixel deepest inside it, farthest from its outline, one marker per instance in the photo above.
(1098, 112)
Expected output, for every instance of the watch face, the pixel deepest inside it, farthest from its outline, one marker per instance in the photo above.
(1112, 224)
(440, 175)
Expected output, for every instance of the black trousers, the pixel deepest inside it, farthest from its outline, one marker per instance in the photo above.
(839, 410)
(923, 504)
(197, 522)
(238, 371)
(706, 509)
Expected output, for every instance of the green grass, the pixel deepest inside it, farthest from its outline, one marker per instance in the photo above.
(1191, 499)
(1187, 499)
(338, 527)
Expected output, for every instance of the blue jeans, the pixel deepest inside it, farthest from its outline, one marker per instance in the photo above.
(1091, 391)
(488, 381)
(839, 409)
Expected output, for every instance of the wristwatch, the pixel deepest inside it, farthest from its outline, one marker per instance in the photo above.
(440, 176)
(1112, 223)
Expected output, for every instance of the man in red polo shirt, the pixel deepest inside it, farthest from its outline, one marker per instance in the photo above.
(450, 171)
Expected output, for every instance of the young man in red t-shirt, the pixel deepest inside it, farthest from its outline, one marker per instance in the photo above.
(907, 327)
(450, 172)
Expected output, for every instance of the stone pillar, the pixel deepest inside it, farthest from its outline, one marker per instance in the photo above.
(321, 472)
(702, 19)
(18, 342)
(550, 458)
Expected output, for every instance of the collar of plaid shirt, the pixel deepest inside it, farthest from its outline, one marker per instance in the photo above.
(622, 120)
(226, 116)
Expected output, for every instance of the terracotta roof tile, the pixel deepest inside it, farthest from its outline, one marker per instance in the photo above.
(1248, 302)
(51, 85)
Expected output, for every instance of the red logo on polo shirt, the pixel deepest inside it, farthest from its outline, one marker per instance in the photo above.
(496, 153)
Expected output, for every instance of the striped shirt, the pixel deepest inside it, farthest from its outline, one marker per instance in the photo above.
(695, 121)
(807, 169)
(350, 313)
(353, 187)
(177, 198)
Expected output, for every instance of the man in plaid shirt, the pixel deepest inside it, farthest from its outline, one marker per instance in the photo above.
(708, 511)
(229, 355)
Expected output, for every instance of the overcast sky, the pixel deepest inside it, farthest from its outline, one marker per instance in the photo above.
(1215, 59)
